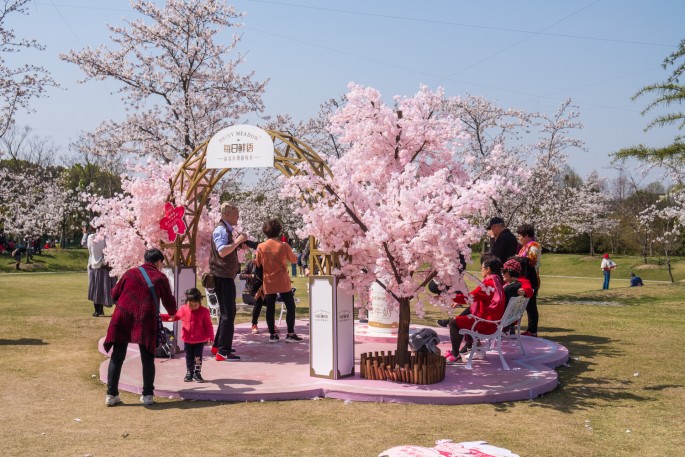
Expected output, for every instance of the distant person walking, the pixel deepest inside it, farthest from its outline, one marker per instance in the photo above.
(17, 253)
(607, 266)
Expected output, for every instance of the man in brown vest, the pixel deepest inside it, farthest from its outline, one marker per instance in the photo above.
(224, 266)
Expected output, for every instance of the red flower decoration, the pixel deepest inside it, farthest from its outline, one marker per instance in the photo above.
(173, 221)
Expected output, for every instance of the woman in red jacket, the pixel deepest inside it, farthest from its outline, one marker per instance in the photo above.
(487, 303)
(135, 321)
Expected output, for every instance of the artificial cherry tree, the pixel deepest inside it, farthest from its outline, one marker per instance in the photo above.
(130, 221)
(400, 205)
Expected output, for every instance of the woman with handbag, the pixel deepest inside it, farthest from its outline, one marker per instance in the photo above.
(273, 256)
(135, 320)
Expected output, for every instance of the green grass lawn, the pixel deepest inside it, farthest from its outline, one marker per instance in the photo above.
(51, 260)
(622, 393)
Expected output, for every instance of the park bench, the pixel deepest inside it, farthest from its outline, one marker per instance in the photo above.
(482, 342)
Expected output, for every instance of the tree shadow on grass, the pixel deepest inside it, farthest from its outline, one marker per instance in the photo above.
(23, 342)
(577, 391)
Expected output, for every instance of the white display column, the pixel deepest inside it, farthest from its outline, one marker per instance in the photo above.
(180, 279)
(331, 329)
(382, 318)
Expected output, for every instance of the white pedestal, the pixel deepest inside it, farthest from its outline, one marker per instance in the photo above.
(331, 329)
(181, 279)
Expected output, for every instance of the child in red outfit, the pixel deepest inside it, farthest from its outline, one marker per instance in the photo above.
(197, 331)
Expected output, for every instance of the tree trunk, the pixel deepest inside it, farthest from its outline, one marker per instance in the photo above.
(592, 247)
(644, 250)
(402, 354)
(668, 264)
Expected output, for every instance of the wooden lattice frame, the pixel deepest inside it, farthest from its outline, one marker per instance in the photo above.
(199, 181)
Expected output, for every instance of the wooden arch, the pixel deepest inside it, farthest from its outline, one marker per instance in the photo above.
(289, 153)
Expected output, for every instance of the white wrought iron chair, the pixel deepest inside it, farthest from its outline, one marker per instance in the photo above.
(513, 313)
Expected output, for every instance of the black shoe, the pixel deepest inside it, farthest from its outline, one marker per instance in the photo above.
(443, 322)
(96, 314)
(226, 358)
(189, 376)
(465, 349)
(274, 338)
(292, 338)
(197, 377)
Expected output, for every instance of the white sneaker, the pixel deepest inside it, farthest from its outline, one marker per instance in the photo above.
(146, 399)
(111, 400)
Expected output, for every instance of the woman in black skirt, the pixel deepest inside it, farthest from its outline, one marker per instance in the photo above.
(100, 283)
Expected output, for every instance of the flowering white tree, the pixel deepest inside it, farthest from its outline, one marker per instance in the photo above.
(499, 137)
(177, 83)
(263, 202)
(18, 84)
(130, 220)
(590, 211)
(400, 205)
(544, 199)
(664, 221)
(34, 201)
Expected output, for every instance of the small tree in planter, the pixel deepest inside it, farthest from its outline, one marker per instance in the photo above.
(400, 205)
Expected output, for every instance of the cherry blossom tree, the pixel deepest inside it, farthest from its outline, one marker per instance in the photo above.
(400, 205)
(35, 201)
(129, 221)
(19, 84)
(544, 200)
(590, 213)
(502, 137)
(176, 81)
(262, 202)
(664, 221)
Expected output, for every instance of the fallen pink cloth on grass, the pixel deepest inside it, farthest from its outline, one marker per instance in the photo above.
(446, 448)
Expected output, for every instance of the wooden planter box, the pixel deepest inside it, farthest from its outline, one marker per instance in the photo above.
(423, 368)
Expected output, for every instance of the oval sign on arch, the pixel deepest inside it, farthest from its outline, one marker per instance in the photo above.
(240, 146)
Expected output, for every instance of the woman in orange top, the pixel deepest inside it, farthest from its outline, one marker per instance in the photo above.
(274, 256)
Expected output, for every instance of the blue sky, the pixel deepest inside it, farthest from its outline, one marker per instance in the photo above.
(525, 54)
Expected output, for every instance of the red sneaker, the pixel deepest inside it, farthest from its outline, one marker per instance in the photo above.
(215, 350)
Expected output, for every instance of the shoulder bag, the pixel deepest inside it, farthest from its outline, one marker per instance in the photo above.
(166, 344)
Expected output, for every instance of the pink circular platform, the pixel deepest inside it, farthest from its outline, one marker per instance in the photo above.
(280, 371)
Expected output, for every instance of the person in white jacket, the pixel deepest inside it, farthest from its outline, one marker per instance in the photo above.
(100, 283)
(607, 266)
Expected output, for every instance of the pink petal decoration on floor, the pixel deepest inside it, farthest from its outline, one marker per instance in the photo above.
(446, 448)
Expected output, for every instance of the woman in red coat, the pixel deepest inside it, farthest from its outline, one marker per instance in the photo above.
(135, 321)
(488, 303)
